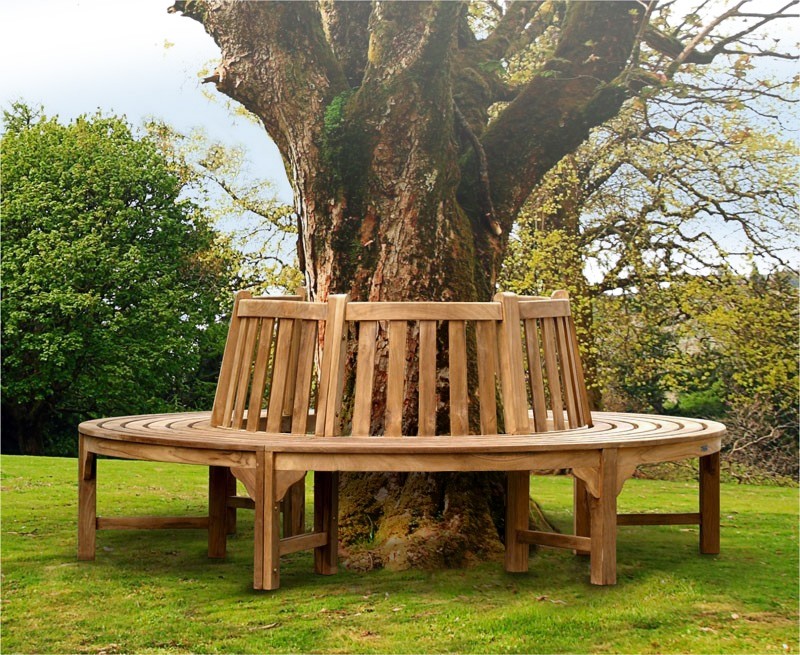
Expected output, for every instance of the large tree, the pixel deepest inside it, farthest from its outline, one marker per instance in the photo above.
(411, 146)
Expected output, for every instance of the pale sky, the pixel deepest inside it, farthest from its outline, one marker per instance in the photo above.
(124, 57)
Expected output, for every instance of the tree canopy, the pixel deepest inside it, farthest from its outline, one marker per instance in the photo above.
(111, 280)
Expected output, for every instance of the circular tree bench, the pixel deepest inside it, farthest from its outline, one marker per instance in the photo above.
(277, 415)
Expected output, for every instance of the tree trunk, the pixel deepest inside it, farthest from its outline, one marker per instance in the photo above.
(396, 188)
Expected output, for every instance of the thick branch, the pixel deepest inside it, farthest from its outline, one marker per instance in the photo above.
(347, 30)
(556, 110)
(416, 36)
(508, 30)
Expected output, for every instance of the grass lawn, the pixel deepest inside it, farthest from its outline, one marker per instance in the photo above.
(156, 592)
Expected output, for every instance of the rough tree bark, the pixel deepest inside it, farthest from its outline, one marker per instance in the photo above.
(403, 187)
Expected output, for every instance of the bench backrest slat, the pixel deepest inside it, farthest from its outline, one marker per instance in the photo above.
(535, 371)
(395, 378)
(367, 339)
(457, 359)
(259, 374)
(427, 378)
(486, 332)
(268, 364)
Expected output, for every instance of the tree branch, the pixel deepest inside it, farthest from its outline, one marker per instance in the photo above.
(508, 30)
(346, 25)
(688, 53)
(553, 114)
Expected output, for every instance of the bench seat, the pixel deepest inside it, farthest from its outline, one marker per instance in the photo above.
(609, 430)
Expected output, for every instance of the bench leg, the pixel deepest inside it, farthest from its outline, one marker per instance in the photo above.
(517, 510)
(294, 505)
(326, 519)
(603, 562)
(709, 504)
(230, 517)
(581, 515)
(87, 501)
(217, 510)
(266, 559)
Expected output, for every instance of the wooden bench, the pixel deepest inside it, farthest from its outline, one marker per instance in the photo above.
(282, 408)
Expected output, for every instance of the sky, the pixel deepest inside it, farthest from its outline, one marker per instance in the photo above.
(126, 57)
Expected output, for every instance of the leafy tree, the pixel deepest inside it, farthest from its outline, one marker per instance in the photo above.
(744, 333)
(414, 132)
(721, 346)
(111, 280)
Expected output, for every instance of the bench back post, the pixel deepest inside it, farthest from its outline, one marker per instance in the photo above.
(512, 374)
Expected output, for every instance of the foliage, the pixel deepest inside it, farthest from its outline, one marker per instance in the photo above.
(244, 207)
(645, 224)
(155, 591)
(720, 346)
(111, 280)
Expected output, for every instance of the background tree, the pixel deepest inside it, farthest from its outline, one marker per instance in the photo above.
(241, 205)
(411, 149)
(111, 281)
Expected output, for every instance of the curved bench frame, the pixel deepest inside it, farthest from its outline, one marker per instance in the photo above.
(260, 428)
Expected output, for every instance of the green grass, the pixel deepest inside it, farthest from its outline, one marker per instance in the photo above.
(155, 591)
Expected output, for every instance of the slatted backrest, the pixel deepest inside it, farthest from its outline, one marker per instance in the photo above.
(543, 360)
(268, 364)
(435, 345)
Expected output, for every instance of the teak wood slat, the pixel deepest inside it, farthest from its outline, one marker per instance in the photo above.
(303, 378)
(395, 377)
(227, 370)
(423, 311)
(280, 374)
(552, 373)
(535, 374)
(427, 378)
(365, 372)
(259, 374)
(459, 404)
(486, 337)
(567, 374)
